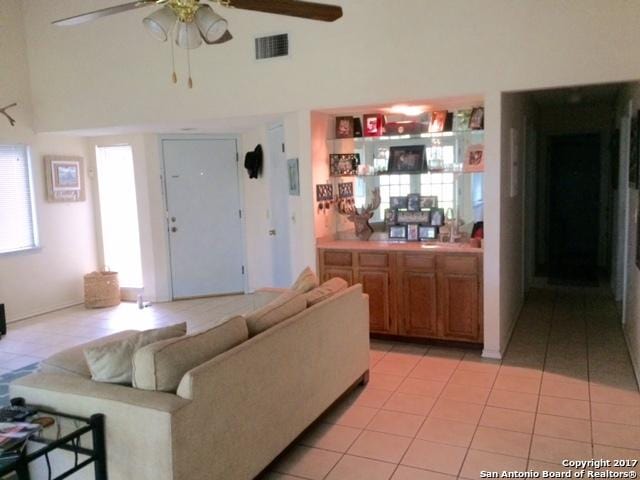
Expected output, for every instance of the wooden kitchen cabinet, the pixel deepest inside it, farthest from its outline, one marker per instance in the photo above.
(414, 293)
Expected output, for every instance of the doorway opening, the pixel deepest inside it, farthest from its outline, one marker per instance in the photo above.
(119, 214)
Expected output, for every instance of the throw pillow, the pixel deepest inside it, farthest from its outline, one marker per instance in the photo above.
(161, 365)
(284, 306)
(307, 280)
(326, 290)
(112, 362)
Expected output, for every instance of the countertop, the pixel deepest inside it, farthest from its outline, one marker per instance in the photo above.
(390, 245)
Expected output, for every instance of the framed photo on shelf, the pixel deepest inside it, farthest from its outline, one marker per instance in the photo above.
(405, 216)
(413, 202)
(461, 120)
(406, 159)
(412, 232)
(398, 232)
(344, 127)
(343, 164)
(427, 232)
(390, 216)
(428, 202)
(398, 202)
(324, 192)
(437, 217)
(476, 122)
(373, 124)
(474, 159)
(438, 121)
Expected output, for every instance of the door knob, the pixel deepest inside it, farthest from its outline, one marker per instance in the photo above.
(272, 233)
(174, 229)
(173, 219)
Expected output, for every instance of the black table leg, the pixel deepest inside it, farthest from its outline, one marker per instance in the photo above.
(22, 467)
(99, 446)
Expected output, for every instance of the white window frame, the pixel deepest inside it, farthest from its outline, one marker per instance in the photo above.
(35, 235)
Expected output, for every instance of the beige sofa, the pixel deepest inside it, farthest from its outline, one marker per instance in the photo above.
(232, 415)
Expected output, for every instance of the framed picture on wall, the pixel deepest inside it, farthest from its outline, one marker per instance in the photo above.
(633, 153)
(343, 164)
(474, 159)
(64, 176)
(294, 177)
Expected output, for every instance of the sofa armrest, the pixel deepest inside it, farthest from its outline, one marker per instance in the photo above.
(138, 424)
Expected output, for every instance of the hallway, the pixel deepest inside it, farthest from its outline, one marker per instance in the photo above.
(565, 390)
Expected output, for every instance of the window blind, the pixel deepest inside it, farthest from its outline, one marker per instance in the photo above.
(17, 219)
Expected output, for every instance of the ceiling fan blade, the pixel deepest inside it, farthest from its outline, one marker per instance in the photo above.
(223, 39)
(292, 8)
(103, 12)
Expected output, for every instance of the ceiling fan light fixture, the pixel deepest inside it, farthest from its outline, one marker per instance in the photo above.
(212, 26)
(188, 36)
(160, 23)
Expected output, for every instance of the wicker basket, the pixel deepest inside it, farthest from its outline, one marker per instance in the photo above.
(101, 289)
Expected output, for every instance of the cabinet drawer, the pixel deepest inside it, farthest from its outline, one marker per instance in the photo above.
(458, 264)
(373, 260)
(418, 261)
(338, 259)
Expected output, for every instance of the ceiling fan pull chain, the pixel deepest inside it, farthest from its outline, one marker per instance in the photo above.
(190, 82)
(174, 76)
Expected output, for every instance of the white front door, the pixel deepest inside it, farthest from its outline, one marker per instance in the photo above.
(203, 206)
(279, 216)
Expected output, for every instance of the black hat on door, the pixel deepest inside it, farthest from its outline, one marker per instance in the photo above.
(253, 162)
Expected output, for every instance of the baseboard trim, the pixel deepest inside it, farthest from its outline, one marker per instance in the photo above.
(45, 310)
(635, 361)
(493, 354)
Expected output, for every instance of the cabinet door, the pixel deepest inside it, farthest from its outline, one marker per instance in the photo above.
(331, 272)
(459, 306)
(418, 295)
(375, 283)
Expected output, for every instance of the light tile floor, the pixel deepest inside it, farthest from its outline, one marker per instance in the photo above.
(565, 389)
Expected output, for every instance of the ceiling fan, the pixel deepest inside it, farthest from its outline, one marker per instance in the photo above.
(193, 22)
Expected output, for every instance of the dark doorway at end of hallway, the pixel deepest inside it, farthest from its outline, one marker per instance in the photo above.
(573, 180)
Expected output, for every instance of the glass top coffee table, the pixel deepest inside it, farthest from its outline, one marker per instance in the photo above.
(40, 446)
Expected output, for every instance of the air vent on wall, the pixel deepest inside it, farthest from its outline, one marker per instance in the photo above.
(272, 46)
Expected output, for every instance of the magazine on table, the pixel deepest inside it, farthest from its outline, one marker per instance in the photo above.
(13, 434)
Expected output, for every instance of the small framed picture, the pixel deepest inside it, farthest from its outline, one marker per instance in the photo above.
(427, 232)
(406, 159)
(343, 164)
(413, 202)
(404, 216)
(294, 177)
(476, 122)
(474, 159)
(373, 124)
(345, 190)
(64, 177)
(437, 217)
(344, 127)
(461, 120)
(412, 232)
(324, 192)
(429, 202)
(390, 216)
(398, 202)
(398, 232)
(438, 120)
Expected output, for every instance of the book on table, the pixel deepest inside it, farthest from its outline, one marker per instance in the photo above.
(15, 434)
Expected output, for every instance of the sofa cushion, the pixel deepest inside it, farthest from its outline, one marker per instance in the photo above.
(286, 305)
(111, 362)
(307, 280)
(161, 365)
(326, 290)
(72, 360)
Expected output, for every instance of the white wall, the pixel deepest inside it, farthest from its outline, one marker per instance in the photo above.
(495, 45)
(50, 277)
(631, 300)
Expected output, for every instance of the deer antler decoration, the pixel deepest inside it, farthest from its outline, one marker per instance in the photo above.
(361, 218)
(3, 111)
